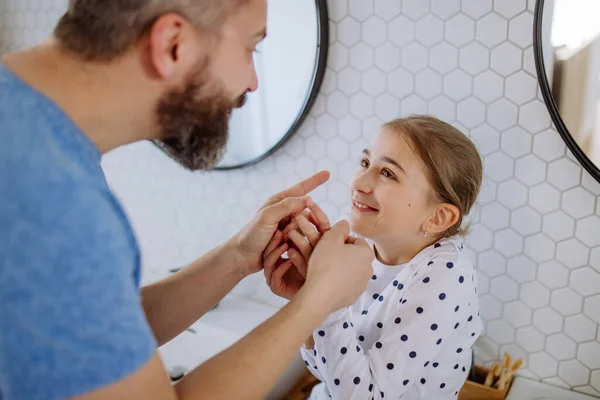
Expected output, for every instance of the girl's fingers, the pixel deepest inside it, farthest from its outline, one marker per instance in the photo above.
(275, 241)
(277, 278)
(323, 223)
(308, 230)
(300, 243)
(299, 262)
(270, 261)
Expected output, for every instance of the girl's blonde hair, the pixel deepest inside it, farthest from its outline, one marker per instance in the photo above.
(452, 163)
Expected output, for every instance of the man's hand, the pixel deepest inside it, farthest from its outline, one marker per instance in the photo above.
(251, 242)
(285, 276)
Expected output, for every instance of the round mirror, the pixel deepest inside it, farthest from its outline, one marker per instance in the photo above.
(567, 58)
(290, 64)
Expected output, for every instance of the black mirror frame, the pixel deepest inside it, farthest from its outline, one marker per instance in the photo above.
(315, 87)
(549, 100)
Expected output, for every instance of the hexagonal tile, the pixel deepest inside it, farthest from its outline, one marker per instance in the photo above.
(372, 125)
(443, 58)
(580, 328)
(495, 216)
(510, 8)
(414, 57)
(590, 184)
(326, 126)
(491, 263)
(578, 202)
(500, 332)
(387, 9)
(516, 142)
(400, 83)
(553, 275)
(483, 284)
(387, 107)
(589, 390)
(547, 320)
(530, 170)
(361, 57)
(482, 240)
(337, 104)
(512, 194)
(585, 281)
(329, 81)
(361, 105)
(374, 82)
(535, 295)
(374, 31)
(492, 30)
(595, 380)
(543, 365)
(499, 167)
(517, 314)
(502, 114)
(560, 346)
(566, 301)
(504, 289)
(413, 104)
(471, 112)
(526, 221)
(315, 147)
(387, 57)
(572, 253)
(339, 56)
(521, 88)
(401, 31)
(445, 8)
(573, 372)
(587, 231)
(539, 248)
(564, 173)
(544, 198)
(508, 242)
(491, 308)
(430, 30)
(349, 127)
(460, 30)
(589, 354)
(506, 59)
(428, 84)
(476, 8)
(338, 10)
(534, 117)
(338, 150)
(530, 339)
(549, 146)
(348, 32)
(359, 9)
(487, 349)
(474, 58)
(519, 30)
(457, 86)
(521, 269)
(488, 86)
(558, 226)
(486, 139)
(594, 259)
(443, 108)
(349, 81)
(487, 193)
(415, 9)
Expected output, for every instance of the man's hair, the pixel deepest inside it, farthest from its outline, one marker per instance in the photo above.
(102, 30)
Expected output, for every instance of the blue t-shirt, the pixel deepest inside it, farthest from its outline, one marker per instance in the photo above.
(71, 319)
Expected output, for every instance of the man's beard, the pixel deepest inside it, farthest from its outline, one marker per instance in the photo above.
(194, 122)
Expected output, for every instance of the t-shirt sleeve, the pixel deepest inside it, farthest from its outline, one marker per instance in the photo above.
(71, 316)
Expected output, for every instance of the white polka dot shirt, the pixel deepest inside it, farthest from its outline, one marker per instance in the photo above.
(409, 336)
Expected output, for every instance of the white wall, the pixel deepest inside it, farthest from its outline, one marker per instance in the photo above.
(471, 63)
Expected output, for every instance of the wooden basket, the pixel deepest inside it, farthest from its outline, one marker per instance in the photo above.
(475, 390)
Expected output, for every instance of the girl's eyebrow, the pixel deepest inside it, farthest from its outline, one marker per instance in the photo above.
(387, 160)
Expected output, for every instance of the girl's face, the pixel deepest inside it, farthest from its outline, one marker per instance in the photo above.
(391, 196)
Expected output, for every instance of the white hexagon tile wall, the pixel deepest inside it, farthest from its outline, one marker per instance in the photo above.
(536, 241)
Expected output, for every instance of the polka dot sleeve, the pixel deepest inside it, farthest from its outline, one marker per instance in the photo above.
(421, 316)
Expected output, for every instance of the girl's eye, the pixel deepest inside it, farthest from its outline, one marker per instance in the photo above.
(364, 163)
(387, 173)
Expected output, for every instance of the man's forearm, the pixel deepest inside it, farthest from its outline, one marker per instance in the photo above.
(251, 367)
(174, 303)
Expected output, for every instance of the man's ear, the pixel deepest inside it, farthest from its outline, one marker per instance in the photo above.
(445, 215)
(172, 46)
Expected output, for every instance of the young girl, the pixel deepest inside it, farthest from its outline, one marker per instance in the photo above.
(411, 333)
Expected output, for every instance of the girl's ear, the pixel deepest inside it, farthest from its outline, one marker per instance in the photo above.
(445, 215)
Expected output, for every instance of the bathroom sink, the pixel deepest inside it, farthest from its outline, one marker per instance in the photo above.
(232, 319)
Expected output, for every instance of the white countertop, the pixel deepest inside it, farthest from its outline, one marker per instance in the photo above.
(527, 389)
